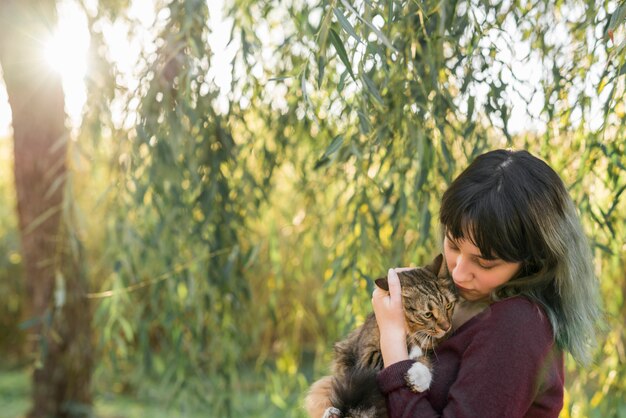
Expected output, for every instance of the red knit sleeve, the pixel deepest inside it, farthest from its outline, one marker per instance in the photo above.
(504, 366)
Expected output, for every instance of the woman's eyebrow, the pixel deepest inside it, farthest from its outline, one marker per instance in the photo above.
(486, 258)
(480, 256)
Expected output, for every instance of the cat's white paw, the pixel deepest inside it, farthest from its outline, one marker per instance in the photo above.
(415, 353)
(332, 412)
(419, 377)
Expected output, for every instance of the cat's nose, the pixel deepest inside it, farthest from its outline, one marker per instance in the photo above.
(446, 326)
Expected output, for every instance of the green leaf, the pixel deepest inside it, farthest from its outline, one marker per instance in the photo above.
(60, 180)
(281, 78)
(31, 322)
(305, 95)
(618, 17)
(470, 108)
(278, 401)
(342, 81)
(372, 88)
(345, 23)
(334, 146)
(425, 219)
(377, 31)
(35, 223)
(618, 50)
(336, 143)
(127, 329)
(321, 65)
(323, 33)
(343, 55)
(364, 122)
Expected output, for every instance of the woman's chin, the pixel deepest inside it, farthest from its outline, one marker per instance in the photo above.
(472, 295)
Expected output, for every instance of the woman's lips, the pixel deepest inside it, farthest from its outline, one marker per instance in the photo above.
(462, 288)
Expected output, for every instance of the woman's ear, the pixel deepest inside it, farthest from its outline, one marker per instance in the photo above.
(382, 283)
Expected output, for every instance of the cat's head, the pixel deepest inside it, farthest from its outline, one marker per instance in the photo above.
(428, 301)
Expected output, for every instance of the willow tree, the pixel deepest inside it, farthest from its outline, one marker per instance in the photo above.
(246, 225)
(411, 91)
(396, 97)
(176, 304)
(57, 312)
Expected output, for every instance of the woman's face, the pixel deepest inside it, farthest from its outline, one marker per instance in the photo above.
(474, 275)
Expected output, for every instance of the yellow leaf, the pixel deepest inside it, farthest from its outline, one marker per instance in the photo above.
(182, 291)
(385, 234)
(597, 398)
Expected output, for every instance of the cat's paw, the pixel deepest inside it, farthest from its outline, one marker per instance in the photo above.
(418, 377)
(332, 412)
(415, 353)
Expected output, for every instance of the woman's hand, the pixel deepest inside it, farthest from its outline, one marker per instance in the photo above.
(390, 318)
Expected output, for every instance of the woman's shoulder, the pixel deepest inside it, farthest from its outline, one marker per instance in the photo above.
(518, 316)
(518, 305)
(508, 326)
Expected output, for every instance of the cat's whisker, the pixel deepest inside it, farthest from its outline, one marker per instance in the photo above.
(436, 356)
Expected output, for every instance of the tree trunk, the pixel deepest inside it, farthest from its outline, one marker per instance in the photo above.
(55, 282)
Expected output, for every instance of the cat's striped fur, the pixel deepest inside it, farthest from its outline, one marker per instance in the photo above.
(352, 389)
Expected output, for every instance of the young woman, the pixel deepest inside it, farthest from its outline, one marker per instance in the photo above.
(515, 249)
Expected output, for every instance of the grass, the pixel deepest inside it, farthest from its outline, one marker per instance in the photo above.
(14, 393)
(15, 401)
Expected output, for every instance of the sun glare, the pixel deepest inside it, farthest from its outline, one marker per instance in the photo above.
(66, 53)
(60, 58)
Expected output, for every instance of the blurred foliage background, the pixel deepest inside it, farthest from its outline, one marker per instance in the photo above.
(235, 202)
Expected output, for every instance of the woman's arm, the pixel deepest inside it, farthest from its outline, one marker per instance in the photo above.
(390, 319)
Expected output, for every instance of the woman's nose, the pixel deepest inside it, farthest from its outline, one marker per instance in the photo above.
(462, 271)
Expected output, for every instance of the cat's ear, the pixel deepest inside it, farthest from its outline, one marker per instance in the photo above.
(435, 265)
(382, 283)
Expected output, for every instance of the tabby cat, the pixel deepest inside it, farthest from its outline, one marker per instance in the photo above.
(352, 391)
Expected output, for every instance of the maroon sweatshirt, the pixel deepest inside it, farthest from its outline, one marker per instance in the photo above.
(502, 363)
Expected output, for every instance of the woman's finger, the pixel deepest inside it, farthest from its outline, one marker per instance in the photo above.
(394, 286)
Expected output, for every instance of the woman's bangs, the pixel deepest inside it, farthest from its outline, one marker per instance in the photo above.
(490, 226)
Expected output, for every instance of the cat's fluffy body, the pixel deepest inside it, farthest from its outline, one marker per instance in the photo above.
(352, 389)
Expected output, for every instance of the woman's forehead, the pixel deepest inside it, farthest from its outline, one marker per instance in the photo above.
(468, 242)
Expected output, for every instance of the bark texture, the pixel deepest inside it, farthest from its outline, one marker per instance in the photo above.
(55, 282)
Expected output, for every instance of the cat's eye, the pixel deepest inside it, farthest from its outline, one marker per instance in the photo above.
(428, 315)
(449, 306)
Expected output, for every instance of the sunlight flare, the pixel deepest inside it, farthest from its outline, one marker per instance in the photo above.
(65, 52)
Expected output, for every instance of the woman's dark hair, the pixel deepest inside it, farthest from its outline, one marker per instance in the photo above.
(513, 206)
